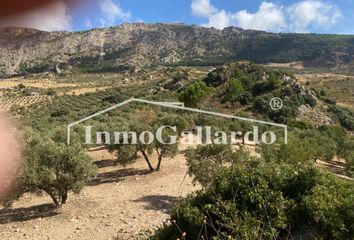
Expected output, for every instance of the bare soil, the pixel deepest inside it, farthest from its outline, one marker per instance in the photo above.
(121, 203)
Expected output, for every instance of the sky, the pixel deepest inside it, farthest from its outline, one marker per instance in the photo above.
(305, 16)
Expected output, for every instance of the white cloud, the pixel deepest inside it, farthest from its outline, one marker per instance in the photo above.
(310, 13)
(203, 8)
(269, 17)
(53, 17)
(299, 17)
(112, 12)
(220, 20)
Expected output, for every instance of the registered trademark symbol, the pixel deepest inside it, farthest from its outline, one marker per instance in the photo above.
(276, 103)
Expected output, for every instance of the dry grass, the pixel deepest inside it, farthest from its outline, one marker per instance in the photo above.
(337, 87)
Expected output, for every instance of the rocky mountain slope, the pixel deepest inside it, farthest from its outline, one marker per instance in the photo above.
(133, 46)
(250, 87)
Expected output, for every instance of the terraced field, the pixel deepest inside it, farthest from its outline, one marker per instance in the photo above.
(16, 102)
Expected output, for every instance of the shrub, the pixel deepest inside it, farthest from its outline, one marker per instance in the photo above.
(297, 151)
(345, 116)
(205, 161)
(329, 101)
(262, 105)
(51, 92)
(273, 82)
(233, 91)
(329, 207)
(301, 124)
(194, 94)
(246, 98)
(256, 199)
(311, 101)
(349, 164)
(323, 92)
(247, 81)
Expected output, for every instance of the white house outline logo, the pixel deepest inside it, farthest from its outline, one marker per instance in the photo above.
(179, 106)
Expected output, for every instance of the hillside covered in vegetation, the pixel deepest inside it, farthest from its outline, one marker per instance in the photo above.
(131, 47)
(247, 191)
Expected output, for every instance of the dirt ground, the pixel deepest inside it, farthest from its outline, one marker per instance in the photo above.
(294, 65)
(126, 203)
(35, 84)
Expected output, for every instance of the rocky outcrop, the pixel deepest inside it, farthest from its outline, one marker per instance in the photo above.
(301, 89)
(317, 115)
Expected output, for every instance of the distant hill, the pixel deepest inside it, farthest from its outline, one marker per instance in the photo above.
(138, 45)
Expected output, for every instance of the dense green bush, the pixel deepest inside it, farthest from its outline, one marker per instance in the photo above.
(345, 116)
(214, 157)
(297, 151)
(349, 165)
(250, 198)
(233, 91)
(194, 94)
(262, 105)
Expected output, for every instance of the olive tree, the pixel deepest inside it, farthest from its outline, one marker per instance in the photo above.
(165, 147)
(55, 168)
(139, 141)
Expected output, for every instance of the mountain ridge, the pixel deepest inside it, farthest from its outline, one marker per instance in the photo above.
(134, 46)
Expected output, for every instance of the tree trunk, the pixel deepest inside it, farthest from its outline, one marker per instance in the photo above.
(55, 200)
(147, 160)
(64, 198)
(159, 162)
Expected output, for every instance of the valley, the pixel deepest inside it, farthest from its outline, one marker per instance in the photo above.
(160, 191)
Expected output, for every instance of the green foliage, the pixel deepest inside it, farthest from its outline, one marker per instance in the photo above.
(349, 164)
(329, 206)
(127, 153)
(250, 198)
(178, 121)
(297, 151)
(287, 48)
(306, 145)
(327, 134)
(246, 80)
(288, 111)
(272, 83)
(233, 91)
(301, 124)
(312, 102)
(246, 98)
(194, 94)
(205, 161)
(55, 168)
(345, 116)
